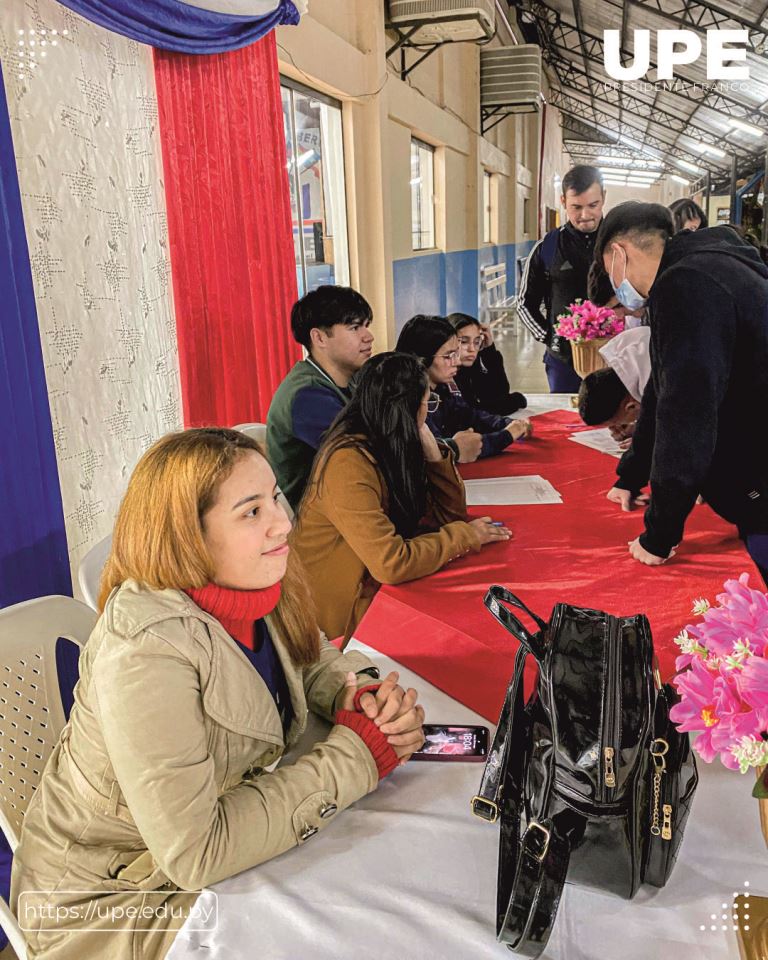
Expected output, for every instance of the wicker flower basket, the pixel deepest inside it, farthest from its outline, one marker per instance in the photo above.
(586, 358)
(763, 810)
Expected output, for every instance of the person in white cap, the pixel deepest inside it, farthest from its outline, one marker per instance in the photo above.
(629, 355)
(611, 397)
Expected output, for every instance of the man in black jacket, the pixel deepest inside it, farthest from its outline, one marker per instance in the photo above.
(699, 429)
(556, 271)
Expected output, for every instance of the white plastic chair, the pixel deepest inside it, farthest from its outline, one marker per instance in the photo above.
(31, 712)
(258, 432)
(89, 571)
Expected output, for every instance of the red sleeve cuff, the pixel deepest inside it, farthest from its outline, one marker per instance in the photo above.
(384, 756)
(371, 688)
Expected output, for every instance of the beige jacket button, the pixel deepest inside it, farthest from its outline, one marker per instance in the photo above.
(307, 832)
(327, 810)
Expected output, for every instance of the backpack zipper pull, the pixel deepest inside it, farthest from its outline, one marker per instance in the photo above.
(666, 827)
(610, 776)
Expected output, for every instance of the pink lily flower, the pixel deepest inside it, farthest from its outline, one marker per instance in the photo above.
(696, 710)
(753, 683)
(736, 720)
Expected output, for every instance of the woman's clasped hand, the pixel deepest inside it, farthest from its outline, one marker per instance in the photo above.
(394, 711)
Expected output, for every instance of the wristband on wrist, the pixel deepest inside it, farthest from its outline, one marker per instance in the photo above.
(370, 688)
(381, 750)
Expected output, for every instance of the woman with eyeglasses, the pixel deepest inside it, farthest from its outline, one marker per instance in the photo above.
(481, 376)
(384, 503)
(470, 432)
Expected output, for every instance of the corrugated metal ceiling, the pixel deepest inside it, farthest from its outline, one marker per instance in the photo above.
(684, 122)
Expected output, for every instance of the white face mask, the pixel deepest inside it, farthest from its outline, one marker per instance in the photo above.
(627, 295)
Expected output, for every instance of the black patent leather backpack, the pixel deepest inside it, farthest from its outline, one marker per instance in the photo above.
(588, 779)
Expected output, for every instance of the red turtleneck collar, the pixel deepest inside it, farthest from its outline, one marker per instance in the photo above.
(236, 610)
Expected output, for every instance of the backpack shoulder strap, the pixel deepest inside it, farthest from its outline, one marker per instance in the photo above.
(549, 248)
(533, 858)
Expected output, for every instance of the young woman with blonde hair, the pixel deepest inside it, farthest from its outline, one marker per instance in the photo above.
(198, 675)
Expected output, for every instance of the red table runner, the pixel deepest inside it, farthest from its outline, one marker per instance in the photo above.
(574, 552)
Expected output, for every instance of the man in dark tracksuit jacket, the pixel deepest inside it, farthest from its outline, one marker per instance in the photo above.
(699, 430)
(556, 271)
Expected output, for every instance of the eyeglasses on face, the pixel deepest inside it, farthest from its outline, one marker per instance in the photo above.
(433, 403)
(476, 343)
(451, 357)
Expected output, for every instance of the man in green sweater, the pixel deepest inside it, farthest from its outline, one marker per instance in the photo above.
(333, 325)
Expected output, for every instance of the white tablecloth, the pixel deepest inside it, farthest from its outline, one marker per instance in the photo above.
(408, 873)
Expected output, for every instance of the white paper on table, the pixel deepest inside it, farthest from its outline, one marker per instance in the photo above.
(600, 440)
(513, 491)
(544, 403)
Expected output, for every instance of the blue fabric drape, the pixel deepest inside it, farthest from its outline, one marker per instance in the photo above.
(33, 545)
(172, 25)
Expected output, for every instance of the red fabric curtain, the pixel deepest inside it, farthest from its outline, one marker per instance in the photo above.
(229, 224)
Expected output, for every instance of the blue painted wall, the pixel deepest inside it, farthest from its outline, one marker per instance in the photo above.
(442, 283)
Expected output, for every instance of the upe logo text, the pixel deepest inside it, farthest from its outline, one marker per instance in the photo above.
(724, 49)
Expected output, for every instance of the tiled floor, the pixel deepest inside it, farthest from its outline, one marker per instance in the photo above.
(523, 360)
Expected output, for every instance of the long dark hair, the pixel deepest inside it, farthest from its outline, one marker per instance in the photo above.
(686, 209)
(460, 320)
(381, 418)
(423, 336)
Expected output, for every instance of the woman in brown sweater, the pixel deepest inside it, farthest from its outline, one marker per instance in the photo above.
(385, 503)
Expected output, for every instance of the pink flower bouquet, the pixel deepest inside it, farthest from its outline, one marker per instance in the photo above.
(586, 321)
(724, 680)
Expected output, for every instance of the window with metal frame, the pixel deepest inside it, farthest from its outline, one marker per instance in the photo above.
(422, 195)
(315, 148)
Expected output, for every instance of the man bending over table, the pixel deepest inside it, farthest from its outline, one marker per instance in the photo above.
(707, 298)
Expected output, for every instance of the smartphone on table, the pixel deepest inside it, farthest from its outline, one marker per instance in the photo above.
(456, 743)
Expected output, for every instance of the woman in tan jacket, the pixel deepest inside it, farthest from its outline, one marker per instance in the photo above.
(385, 503)
(198, 675)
